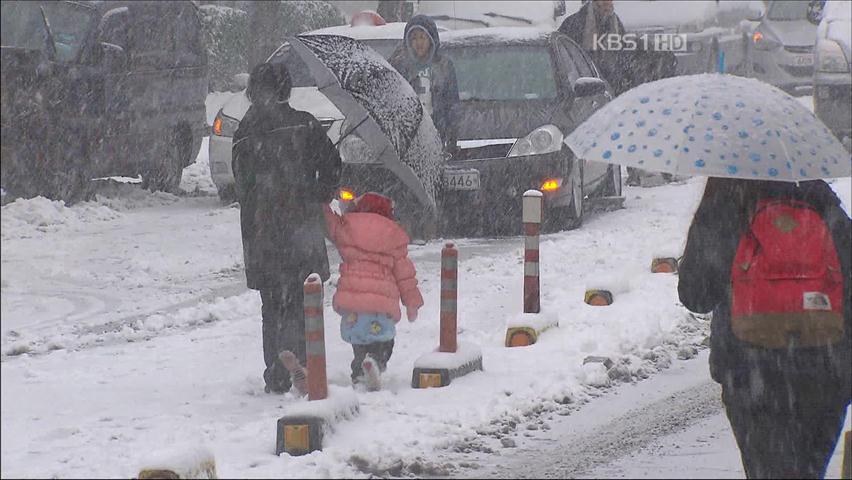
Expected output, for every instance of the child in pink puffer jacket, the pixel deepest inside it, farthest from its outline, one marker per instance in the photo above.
(375, 275)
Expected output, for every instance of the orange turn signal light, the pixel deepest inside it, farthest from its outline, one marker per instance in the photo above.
(217, 126)
(757, 37)
(550, 185)
(347, 195)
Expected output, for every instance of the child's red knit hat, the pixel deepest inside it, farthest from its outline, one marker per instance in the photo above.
(372, 202)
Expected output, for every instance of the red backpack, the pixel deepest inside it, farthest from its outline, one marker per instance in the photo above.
(786, 282)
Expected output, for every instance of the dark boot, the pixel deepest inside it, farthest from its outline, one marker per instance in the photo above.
(381, 351)
(360, 352)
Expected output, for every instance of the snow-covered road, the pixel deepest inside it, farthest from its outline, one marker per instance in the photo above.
(126, 329)
(669, 426)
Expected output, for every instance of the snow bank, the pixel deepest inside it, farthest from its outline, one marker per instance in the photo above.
(125, 197)
(33, 217)
(196, 177)
(188, 461)
(142, 328)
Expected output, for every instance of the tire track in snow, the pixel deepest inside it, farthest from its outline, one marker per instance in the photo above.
(575, 456)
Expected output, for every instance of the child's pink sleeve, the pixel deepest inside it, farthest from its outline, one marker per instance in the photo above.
(406, 281)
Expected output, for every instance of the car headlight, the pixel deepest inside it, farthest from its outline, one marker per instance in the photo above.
(544, 139)
(224, 126)
(830, 58)
(764, 42)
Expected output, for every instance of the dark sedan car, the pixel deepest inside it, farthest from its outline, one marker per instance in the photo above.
(521, 91)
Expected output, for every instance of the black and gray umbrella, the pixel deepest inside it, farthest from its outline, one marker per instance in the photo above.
(380, 105)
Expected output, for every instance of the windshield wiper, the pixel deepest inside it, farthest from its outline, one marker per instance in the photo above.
(510, 17)
(471, 20)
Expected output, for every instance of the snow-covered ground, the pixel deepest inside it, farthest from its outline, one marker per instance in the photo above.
(127, 331)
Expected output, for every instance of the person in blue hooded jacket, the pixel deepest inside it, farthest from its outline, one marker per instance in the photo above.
(431, 74)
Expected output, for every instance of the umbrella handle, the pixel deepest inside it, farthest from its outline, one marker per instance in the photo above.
(350, 131)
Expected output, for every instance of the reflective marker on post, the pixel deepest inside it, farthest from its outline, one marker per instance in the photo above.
(531, 217)
(664, 265)
(449, 297)
(315, 338)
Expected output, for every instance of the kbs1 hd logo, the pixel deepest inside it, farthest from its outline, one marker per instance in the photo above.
(661, 42)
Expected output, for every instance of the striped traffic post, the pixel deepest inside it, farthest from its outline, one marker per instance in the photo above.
(531, 216)
(451, 359)
(449, 297)
(301, 429)
(315, 338)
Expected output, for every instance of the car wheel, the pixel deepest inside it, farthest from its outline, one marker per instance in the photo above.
(167, 174)
(612, 185)
(570, 217)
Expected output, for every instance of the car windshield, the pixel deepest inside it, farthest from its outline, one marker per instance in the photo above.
(502, 72)
(788, 10)
(23, 27)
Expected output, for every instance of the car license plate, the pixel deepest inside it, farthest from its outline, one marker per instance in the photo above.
(804, 60)
(461, 179)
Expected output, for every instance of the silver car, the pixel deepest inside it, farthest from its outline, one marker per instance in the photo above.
(782, 46)
(833, 72)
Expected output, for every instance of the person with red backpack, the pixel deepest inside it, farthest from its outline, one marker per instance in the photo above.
(375, 275)
(771, 260)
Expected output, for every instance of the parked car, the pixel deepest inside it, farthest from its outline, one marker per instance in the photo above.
(305, 96)
(100, 88)
(833, 72)
(467, 14)
(782, 47)
(708, 26)
(521, 90)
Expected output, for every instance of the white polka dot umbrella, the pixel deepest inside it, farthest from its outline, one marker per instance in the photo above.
(713, 125)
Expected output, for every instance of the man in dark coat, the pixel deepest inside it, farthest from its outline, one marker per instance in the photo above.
(621, 68)
(786, 406)
(285, 169)
(594, 20)
(433, 78)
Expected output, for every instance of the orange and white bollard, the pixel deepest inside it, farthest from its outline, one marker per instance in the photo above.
(315, 338)
(449, 297)
(301, 430)
(531, 216)
(451, 359)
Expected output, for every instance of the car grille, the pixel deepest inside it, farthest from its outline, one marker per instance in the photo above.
(487, 151)
(799, 71)
(799, 49)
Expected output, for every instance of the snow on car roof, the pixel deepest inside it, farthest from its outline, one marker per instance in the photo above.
(392, 31)
(644, 13)
(509, 35)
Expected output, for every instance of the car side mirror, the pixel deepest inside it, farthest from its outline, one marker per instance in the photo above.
(588, 86)
(114, 57)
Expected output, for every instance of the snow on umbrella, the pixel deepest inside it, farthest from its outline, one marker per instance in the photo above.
(381, 105)
(713, 125)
